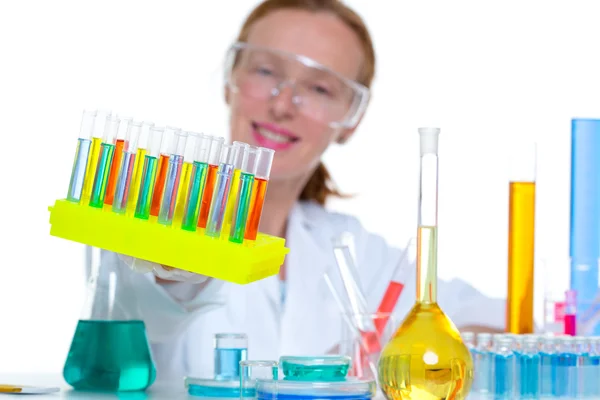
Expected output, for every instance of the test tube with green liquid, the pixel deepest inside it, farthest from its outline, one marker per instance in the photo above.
(172, 179)
(144, 201)
(197, 182)
(244, 195)
(138, 169)
(186, 173)
(82, 153)
(98, 128)
(239, 152)
(107, 151)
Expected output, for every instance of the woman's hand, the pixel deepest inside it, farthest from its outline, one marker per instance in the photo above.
(162, 272)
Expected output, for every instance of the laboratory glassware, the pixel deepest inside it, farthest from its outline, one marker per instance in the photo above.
(121, 142)
(521, 240)
(426, 358)
(107, 151)
(126, 170)
(259, 190)
(172, 179)
(110, 349)
(240, 149)
(229, 350)
(82, 155)
(138, 169)
(148, 180)
(167, 147)
(186, 173)
(214, 223)
(98, 128)
(239, 217)
(214, 155)
(556, 272)
(193, 202)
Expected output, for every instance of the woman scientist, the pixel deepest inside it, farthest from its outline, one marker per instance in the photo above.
(300, 83)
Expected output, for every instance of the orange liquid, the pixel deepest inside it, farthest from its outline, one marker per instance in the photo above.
(211, 178)
(521, 238)
(159, 186)
(259, 189)
(114, 172)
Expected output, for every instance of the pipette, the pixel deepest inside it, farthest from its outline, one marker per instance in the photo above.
(167, 207)
(140, 157)
(235, 182)
(244, 195)
(214, 224)
(186, 172)
(167, 147)
(259, 190)
(197, 181)
(102, 117)
(144, 202)
(211, 177)
(107, 151)
(126, 170)
(121, 142)
(82, 154)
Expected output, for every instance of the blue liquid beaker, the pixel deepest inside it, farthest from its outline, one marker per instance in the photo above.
(110, 350)
(230, 349)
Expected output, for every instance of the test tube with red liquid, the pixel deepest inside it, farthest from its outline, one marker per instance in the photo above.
(214, 156)
(173, 177)
(259, 190)
(121, 142)
(571, 312)
(167, 148)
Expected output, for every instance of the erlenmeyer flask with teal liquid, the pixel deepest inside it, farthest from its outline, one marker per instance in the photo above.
(110, 350)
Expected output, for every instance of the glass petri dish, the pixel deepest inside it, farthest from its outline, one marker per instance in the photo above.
(350, 389)
(218, 389)
(321, 368)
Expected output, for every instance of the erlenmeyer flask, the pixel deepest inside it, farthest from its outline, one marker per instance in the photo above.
(426, 358)
(110, 349)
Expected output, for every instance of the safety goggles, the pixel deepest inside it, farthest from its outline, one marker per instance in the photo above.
(318, 93)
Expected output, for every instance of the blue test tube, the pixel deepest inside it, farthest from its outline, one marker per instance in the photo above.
(591, 369)
(482, 361)
(230, 349)
(214, 223)
(173, 177)
(547, 361)
(565, 363)
(504, 368)
(127, 170)
(528, 368)
(80, 162)
(582, 350)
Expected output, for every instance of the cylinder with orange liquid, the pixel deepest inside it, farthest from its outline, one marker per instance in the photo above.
(167, 148)
(214, 154)
(521, 241)
(259, 190)
(121, 142)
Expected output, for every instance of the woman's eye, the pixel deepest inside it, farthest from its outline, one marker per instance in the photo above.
(263, 71)
(321, 89)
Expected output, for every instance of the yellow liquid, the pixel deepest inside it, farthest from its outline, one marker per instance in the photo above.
(184, 184)
(521, 240)
(426, 358)
(136, 180)
(90, 170)
(235, 186)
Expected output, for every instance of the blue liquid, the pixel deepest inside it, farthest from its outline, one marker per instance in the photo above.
(227, 362)
(110, 356)
(124, 183)
(219, 200)
(504, 372)
(167, 207)
(565, 383)
(483, 371)
(79, 167)
(529, 375)
(590, 376)
(548, 374)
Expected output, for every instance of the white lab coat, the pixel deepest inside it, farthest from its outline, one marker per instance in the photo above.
(181, 318)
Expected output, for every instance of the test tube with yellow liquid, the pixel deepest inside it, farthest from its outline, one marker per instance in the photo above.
(100, 121)
(239, 151)
(426, 358)
(521, 239)
(148, 182)
(138, 168)
(82, 155)
(193, 139)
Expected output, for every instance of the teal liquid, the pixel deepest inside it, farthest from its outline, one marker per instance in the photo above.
(110, 356)
(240, 216)
(194, 200)
(321, 372)
(102, 173)
(144, 203)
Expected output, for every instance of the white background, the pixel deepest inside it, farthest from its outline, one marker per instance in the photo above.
(488, 73)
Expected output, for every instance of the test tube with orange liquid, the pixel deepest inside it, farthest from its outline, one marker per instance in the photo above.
(121, 142)
(107, 151)
(126, 169)
(166, 149)
(172, 180)
(138, 168)
(259, 190)
(521, 240)
(82, 155)
(100, 121)
(211, 177)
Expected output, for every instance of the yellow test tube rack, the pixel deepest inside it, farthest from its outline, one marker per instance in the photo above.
(168, 245)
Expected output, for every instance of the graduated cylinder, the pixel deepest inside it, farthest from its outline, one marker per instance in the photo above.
(521, 240)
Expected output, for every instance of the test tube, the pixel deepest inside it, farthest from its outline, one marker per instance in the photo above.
(121, 142)
(102, 117)
(529, 369)
(211, 177)
(193, 200)
(138, 169)
(82, 152)
(240, 151)
(244, 195)
(107, 151)
(230, 350)
(167, 147)
(186, 172)
(259, 190)
(214, 224)
(504, 368)
(173, 177)
(482, 361)
(570, 312)
(126, 170)
(144, 201)
(548, 359)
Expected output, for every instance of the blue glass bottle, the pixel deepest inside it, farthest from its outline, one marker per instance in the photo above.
(503, 368)
(547, 372)
(591, 375)
(528, 369)
(482, 360)
(229, 350)
(565, 365)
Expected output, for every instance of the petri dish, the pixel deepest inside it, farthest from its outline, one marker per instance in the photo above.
(349, 389)
(320, 368)
(218, 389)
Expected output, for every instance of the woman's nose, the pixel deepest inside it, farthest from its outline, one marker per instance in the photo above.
(283, 101)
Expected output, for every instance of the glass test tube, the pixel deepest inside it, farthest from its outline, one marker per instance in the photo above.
(193, 200)
(240, 150)
(504, 368)
(167, 147)
(565, 364)
(186, 173)
(102, 117)
(529, 369)
(556, 272)
(80, 162)
(121, 142)
(107, 151)
(211, 177)
(570, 327)
(244, 195)
(138, 169)
(144, 201)
(126, 170)
(214, 223)
(521, 238)
(173, 177)
(230, 350)
(483, 363)
(547, 369)
(259, 190)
